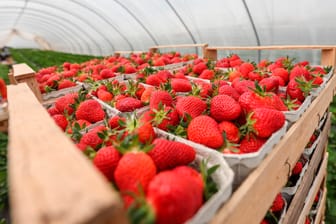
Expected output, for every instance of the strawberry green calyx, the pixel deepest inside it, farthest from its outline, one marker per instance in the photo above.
(131, 143)
(90, 152)
(247, 128)
(210, 186)
(305, 86)
(229, 146)
(291, 104)
(140, 211)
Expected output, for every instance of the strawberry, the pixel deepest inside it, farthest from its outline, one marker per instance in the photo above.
(207, 74)
(145, 133)
(297, 168)
(317, 80)
(145, 96)
(270, 84)
(114, 122)
(299, 71)
(250, 143)
(61, 121)
(204, 130)
(128, 104)
(307, 221)
(224, 107)
(264, 221)
(107, 73)
(162, 117)
(53, 111)
(106, 160)
(81, 123)
(135, 170)
(164, 75)
(245, 68)
(264, 122)
(65, 83)
(90, 110)
(256, 75)
(169, 154)
(191, 105)
(234, 74)
(153, 80)
(231, 131)
(171, 189)
(243, 85)
(201, 88)
(63, 104)
(160, 97)
(278, 203)
(181, 85)
(91, 138)
(230, 91)
(104, 95)
(281, 72)
(299, 88)
(199, 68)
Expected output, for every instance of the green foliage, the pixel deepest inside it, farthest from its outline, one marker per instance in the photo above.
(3, 175)
(38, 59)
(4, 69)
(331, 179)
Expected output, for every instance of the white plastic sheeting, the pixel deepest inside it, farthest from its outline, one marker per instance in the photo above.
(101, 27)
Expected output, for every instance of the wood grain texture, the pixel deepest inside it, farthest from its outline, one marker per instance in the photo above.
(256, 193)
(50, 180)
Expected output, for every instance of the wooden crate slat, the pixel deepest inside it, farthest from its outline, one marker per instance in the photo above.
(256, 193)
(314, 189)
(50, 180)
(321, 209)
(297, 203)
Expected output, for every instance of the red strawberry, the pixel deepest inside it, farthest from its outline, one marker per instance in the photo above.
(265, 122)
(170, 189)
(278, 203)
(230, 91)
(63, 104)
(82, 124)
(298, 88)
(91, 138)
(246, 68)
(281, 72)
(128, 104)
(160, 97)
(114, 122)
(145, 96)
(164, 75)
(61, 121)
(199, 68)
(104, 95)
(251, 143)
(169, 154)
(134, 170)
(107, 73)
(205, 89)
(270, 84)
(224, 107)
(53, 111)
(299, 71)
(106, 160)
(231, 131)
(162, 117)
(90, 110)
(191, 105)
(234, 74)
(204, 130)
(297, 168)
(264, 221)
(181, 85)
(207, 74)
(318, 80)
(256, 75)
(153, 80)
(243, 85)
(65, 83)
(146, 133)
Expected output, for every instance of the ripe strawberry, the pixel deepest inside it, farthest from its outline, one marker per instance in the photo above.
(160, 97)
(298, 89)
(82, 124)
(234, 74)
(181, 85)
(264, 221)
(104, 95)
(231, 131)
(243, 85)
(128, 104)
(91, 138)
(264, 122)
(145, 132)
(106, 160)
(281, 72)
(114, 122)
(107, 73)
(204, 130)
(256, 75)
(278, 203)
(145, 96)
(199, 68)
(191, 105)
(245, 68)
(270, 84)
(162, 117)
(224, 107)
(307, 221)
(317, 80)
(299, 71)
(164, 75)
(207, 74)
(53, 111)
(169, 154)
(203, 89)
(251, 143)
(134, 170)
(153, 80)
(63, 104)
(171, 189)
(297, 168)
(61, 121)
(66, 83)
(230, 91)
(90, 110)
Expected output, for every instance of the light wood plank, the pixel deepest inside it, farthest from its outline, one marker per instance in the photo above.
(321, 210)
(314, 189)
(256, 193)
(297, 203)
(50, 180)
